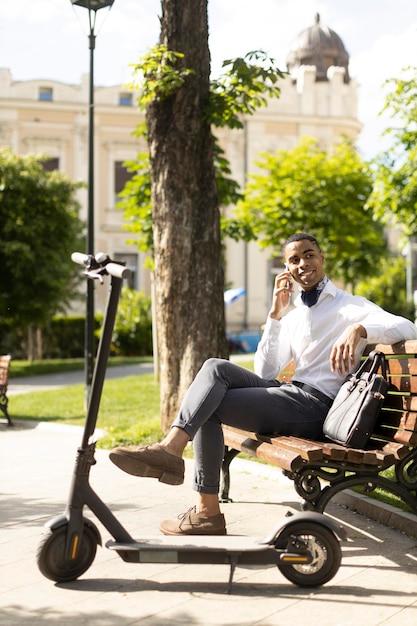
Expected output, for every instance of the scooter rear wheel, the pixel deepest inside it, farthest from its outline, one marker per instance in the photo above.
(323, 546)
(51, 558)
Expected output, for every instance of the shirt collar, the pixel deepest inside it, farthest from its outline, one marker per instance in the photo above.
(325, 285)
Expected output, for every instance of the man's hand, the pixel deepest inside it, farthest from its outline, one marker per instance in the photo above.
(342, 356)
(281, 295)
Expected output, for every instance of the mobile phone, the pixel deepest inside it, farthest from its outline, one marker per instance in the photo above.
(288, 283)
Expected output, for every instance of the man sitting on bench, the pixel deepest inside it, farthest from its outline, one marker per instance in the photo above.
(325, 334)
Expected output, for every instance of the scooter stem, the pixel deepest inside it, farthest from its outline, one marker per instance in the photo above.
(100, 366)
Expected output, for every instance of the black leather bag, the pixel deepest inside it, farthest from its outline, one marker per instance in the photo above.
(354, 412)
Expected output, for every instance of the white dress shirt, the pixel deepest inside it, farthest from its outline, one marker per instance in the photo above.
(307, 334)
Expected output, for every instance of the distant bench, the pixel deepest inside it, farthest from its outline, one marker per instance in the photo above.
(4, 381)
(321, 469)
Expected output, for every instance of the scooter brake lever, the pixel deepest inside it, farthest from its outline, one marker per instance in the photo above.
(96, 266)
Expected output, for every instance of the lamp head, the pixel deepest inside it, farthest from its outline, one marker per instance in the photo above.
(93, 5)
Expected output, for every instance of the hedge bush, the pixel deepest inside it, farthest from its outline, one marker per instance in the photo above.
(63, 337)
(133, 328)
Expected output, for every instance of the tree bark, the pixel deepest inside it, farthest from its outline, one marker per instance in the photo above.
(189, 279)
(34, 343)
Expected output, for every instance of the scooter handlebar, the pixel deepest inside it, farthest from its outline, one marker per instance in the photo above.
(79, 258)
(118, 271)
(114, 269)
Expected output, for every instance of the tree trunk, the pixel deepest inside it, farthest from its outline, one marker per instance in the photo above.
(189, 279)
(30, 343)
(34, 343)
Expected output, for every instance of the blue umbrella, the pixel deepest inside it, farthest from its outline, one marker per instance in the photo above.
(230, 295)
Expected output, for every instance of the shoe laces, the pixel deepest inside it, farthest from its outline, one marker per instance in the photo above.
(184, 516)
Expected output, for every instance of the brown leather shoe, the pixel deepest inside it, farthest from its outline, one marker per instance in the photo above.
(190, 523)
(150, 461)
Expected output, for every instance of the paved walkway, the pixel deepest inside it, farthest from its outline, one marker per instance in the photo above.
(376, 583)
(44, 382)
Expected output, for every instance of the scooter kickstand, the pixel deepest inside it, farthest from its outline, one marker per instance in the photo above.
(233, 563)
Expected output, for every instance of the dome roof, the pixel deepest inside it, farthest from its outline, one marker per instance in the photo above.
(319, 46)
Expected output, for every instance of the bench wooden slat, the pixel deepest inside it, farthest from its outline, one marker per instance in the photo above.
(286, 459)
(405, 365)
(398, 402)
(4, 370)
(408, 347)
(334, 451)
(397, 421)
(308, 450)
(407, 403)
(384, 433)
(286, 375)
(398, 450)
(4, 381)
(355, 456)
(404, 383)
(406, 437)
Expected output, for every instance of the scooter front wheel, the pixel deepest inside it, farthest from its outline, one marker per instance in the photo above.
(323, 546)
(52, 560)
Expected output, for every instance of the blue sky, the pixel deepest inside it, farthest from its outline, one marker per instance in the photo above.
(48, 39)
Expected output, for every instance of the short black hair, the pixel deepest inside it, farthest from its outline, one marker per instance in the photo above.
(300, 237)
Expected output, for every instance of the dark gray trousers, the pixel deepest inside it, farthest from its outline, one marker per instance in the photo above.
(225, 393)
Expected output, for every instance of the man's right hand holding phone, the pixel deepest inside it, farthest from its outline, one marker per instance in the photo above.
(281, 295)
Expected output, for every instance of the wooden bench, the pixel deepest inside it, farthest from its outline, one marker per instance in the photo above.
(4, 381)
(321, 469)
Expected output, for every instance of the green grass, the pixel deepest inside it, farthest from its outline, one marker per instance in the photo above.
(385, 496)
(129, 409)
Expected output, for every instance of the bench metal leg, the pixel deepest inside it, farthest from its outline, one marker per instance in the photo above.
(4, 401)
(316, 495)
(229, 455)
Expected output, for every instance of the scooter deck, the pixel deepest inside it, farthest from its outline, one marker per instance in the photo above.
(204, 549)
(232, 543)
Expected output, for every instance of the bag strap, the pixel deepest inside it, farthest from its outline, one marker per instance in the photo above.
(375, 360)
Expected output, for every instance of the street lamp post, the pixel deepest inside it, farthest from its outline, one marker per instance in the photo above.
(92, 6)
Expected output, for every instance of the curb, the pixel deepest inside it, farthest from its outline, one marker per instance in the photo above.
(51, 426)
(381, 512)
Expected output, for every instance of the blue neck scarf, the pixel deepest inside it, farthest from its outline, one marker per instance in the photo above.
(310, 298)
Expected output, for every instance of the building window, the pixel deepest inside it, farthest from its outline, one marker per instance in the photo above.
(125, 99)
(45, 94)
(51, 165)
(131, 262)
(121, 177)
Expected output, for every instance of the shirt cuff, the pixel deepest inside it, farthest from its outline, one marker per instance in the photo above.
(272, 327)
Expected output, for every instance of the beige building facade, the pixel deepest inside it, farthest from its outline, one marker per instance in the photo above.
(318, 99)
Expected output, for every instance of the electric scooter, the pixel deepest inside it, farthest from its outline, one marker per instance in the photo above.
(305, 546)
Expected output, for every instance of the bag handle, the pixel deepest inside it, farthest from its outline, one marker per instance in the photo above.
(375, 360)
